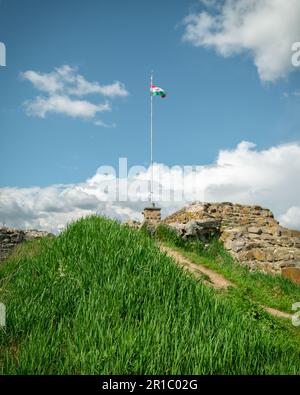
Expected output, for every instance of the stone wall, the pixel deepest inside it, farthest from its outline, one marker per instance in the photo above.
(249, 233)
(152, 215)
(10, 238)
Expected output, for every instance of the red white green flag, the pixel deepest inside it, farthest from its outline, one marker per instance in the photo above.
(157, 91)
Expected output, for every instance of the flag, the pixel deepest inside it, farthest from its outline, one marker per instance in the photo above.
(157, 91)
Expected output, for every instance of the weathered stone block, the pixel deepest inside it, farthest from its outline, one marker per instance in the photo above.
(201, 230)
(291, 273)
(235, 245)
(260, 255)
(255, 229)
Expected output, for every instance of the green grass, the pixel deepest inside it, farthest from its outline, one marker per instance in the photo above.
(102, 299)
(266, 289)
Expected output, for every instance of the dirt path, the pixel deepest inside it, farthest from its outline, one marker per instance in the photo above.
(277, 313)
(215, 279)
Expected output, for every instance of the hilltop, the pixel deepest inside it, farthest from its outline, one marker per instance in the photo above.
(101, 298)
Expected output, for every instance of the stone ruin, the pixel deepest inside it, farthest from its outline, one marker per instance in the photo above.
(10, 238)
(250, 234)
(152, 215)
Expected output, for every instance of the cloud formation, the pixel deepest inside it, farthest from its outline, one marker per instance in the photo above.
(244, 174)
(291, 218)
(64, 90)
(41, 106)
(265, 29)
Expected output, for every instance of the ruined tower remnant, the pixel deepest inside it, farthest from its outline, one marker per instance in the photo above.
(152, 215)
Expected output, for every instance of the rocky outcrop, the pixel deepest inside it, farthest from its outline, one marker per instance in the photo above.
(202, 230)
(249, 233)
(10, 238)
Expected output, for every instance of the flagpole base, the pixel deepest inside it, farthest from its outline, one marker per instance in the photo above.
(152, 215)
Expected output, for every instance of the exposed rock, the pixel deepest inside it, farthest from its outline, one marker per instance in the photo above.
(10, 238)
(249, 233)
(202, 230)
(255, 229)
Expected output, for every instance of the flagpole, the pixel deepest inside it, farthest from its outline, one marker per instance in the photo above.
(151, 140)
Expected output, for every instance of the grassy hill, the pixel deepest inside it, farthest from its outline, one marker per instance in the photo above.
(102, 299)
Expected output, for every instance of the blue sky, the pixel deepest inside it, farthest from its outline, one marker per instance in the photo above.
(214, 101)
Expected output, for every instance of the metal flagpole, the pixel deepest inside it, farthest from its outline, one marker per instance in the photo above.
(151, 142)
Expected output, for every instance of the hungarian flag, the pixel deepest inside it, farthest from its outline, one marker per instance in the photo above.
(157, 91)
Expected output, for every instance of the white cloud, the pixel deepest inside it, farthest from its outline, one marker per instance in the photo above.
(103, 124)
(264, 28)
(65, 80)
(64, 89)
(291, 218)
(44, 82)
(242, 175)
(41, 106)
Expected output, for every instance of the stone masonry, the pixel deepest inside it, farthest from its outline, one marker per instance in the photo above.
(10, 238)
(152, 215)
(250, 234)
